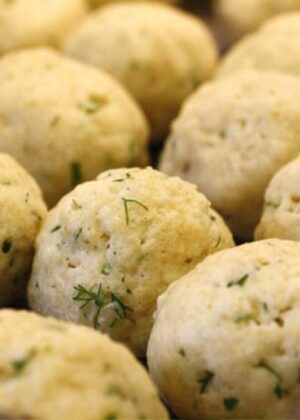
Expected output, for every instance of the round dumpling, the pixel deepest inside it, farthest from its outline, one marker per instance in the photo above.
(231, 137)
(26, 23)
(113, 245)
(225, 343)
(281, 215)
(66, 122)
(21, 215)
(264, 49)
(243, 16)
(55, 370)
(159, 53)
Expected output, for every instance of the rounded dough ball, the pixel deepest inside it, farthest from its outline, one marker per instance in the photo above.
(22, 212)
(225, 342)
(159, 53)
(264, 49)
(55, 370)
(112, 246)
(26, 23)
(243, 16)
(65, 122)
(231, 137)
(281, 215)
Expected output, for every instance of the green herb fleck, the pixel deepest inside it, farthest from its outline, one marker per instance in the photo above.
(19, 365)
(111, 416)
(106, 269)
(240, 282)
(218, 241)
(182, 352)
(55, 229)
(76, 205)
(265, 307)
(246, 318)
(270, 370)
(77, 234)
(278, 389)
(6, 246)
(126, 201)
(222, 134)
(195, 82)
(114, 390)
(55, 120)
(205, 380)
(121, 309)
(134, 149)
(271, 204)
(230, 403)
(36, 215)
(88, 297)
(127, 176)
(76, 174)
(92, 104)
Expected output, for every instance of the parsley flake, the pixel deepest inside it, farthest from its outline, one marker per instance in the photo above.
(182, 352)
(6, 246)
(240, 282)
(121, 309)
(126, 201)
(19, 365)
(205, 380)
(76, 174)
(230, 403)
(87, 297)
(92, 104)
(55, 229)
(106, 269)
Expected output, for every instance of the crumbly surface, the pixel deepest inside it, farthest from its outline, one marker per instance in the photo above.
(54, 370)
(225, 343)
(66, 122)
(243, 16)
(281, 215)
(22, 211)
(159, 53)
(112, 246)
(231, 137)
(274, 47)
(28, 23)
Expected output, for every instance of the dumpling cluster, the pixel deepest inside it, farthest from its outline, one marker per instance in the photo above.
(137, 262)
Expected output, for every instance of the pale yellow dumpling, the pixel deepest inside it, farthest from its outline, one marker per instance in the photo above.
(112, 246)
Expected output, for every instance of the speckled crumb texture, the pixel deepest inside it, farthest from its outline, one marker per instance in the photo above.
(65, 122)
(233, 349)
(158, 52)
(53, 370)
(113, 245)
